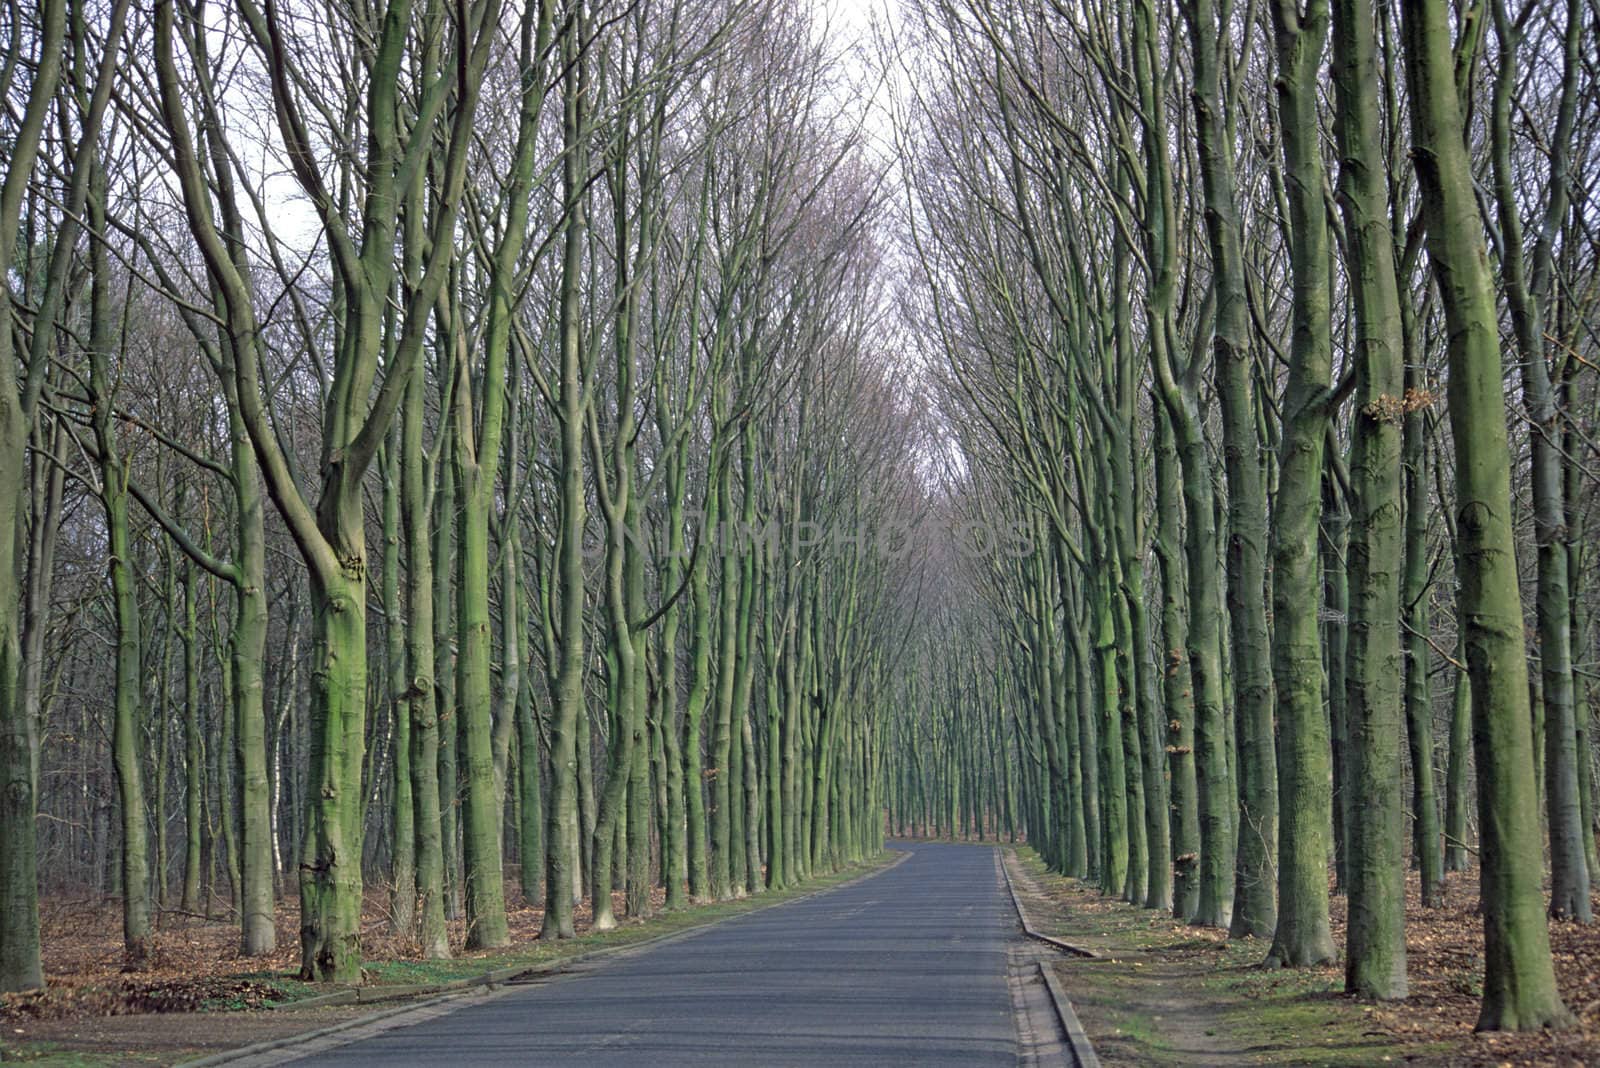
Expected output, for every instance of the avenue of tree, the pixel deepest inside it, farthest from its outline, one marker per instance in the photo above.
(1275, 324)
(610, 454)
(420, 420)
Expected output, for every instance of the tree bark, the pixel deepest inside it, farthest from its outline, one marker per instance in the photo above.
(1375, 840)
(1519, 990)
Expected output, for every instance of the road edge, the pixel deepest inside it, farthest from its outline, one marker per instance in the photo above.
(1083, 1054)
(1027, 925)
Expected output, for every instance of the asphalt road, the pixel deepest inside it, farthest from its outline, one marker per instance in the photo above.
(906, 967)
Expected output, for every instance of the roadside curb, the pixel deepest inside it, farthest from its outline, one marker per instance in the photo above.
(269, 1045)
(391, 991)
(490, 981)
(1032, 932)
(1083, 1054)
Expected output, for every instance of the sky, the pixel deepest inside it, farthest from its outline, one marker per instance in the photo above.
(850, 25)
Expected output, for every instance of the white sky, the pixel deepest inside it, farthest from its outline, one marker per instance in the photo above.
(850, 25)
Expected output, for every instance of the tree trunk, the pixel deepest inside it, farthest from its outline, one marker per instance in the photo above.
(330, 852)
(258, 933)
(423, 657)
(530, 847)
(1455, 790)
(1375, 840)
(1427, 839)
(402, 847)
(20, 967)
(1178, 697)
(563, 816)
(193, 762)
(1257, 832)
(1525, 292)
(1519, 990)
(128, 699)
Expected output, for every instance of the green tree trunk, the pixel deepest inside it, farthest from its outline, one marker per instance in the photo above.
(561, 849)
(1250, 641)
(480, 813)
(623, 590)
(1427, 839)
(128, 699)
(736, 812)
(1138, 873)
(1179, 394)
(694, 775)
(639, 881)
(1455, 790)
(587, 814)
(1113, 808)
(1526, 293)
(193, 762)
(793, 720)
(1576, 561)
(753, 881)
(258, 934)
(777, 726)
(1184, 812)
(720, 772)
(163, 732)
(1302, 937)
(1519, 990)
(480, 425)
(1335, 548)
(1075, 705)
(530, 849)
(403, 888)
(1153, 734)
(444, 653)
(675, 837)
(422, 657)
(20, 967)
(1375, 964)
(330, 852)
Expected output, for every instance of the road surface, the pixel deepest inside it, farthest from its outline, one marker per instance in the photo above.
(906, 967)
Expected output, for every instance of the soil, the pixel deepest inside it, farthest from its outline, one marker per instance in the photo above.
(157, 1038)
(95, 1011)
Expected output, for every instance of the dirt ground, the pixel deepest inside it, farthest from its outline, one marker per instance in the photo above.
(157, 1038)
(82, 938)
(1166, 993)
(92, 1012)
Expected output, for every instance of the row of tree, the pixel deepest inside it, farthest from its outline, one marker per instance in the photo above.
(434, 436)
(1275, 323)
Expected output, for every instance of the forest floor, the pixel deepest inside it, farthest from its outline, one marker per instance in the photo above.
(1168, 994)
(199, 997)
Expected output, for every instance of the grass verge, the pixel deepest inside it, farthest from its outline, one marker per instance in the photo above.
(1169, 994)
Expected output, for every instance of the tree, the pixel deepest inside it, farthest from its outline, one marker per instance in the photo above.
(330, 534)
(1376, 963)
(1519, 990)
(1302, 937)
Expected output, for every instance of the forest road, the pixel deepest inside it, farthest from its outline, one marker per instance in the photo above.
(906, 967)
